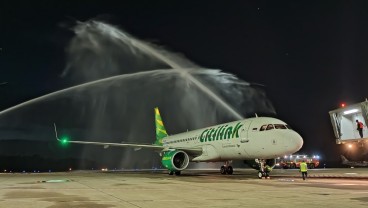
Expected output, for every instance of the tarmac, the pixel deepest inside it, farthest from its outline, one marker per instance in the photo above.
(194, 188)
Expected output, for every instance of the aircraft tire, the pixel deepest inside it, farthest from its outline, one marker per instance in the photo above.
(260, 175)
(229, 170)
(223, 170)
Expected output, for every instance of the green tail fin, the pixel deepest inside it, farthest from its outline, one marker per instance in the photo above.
(160, 128)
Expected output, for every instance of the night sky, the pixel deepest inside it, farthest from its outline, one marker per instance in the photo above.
(309, 55)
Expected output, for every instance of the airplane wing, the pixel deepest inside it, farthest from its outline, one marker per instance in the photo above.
(191, 151)
(107, 144)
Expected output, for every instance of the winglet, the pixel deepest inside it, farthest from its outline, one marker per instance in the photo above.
(56, 134)
(344, 159)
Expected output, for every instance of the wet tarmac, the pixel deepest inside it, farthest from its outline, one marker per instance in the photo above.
(194, 188)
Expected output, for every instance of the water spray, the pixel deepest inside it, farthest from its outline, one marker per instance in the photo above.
(145, 48)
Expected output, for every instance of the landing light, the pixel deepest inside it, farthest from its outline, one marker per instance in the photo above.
(350, 111)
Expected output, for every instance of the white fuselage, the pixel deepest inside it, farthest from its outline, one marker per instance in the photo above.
(239, 140)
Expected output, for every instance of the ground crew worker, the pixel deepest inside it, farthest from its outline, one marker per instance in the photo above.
(360, 128)
(304, 169)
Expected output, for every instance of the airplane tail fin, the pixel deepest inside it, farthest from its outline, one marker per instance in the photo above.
(160, 128)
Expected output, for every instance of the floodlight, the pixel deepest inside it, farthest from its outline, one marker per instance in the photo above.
(350, 111)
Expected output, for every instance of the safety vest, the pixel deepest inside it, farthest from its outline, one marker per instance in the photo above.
(361, 125)
(303, 167)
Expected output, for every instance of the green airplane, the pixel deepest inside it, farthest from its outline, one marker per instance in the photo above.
(257, 141)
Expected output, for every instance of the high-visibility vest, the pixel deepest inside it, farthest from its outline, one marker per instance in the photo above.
(303, 167)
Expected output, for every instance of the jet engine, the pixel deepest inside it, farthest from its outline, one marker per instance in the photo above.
(255, 164)
(175, 160)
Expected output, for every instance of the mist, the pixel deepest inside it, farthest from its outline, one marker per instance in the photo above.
(116, 80)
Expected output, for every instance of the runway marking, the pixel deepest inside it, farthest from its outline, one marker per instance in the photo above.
(286, 180)
(345, 184)
(54, 181)
(111, 195)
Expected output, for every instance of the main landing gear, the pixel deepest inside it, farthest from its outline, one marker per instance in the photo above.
(226, 169)
(176, 173)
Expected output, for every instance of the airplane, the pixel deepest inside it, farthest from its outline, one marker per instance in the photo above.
(345, 161)
(257, 141)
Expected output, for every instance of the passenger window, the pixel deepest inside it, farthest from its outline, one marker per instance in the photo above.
(269, 127)
(263, 128)
(254, 129)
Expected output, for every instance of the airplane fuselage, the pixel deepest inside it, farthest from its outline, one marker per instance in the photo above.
(251, 138)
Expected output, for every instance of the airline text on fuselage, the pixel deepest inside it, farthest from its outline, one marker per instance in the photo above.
(220, 133)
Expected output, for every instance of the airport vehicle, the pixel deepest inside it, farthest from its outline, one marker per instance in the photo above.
(258, 141)
(353, 163)
(293, 161)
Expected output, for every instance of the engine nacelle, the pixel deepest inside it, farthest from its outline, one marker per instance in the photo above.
(175, 160)
(255, 163)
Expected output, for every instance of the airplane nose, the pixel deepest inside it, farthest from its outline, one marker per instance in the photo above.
(293, 142)
(296, 141)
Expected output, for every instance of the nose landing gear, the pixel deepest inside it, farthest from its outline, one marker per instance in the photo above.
(264, 170)
(264, 174)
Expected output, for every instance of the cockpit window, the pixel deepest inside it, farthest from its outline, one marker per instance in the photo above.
(273, 126)
(280, 126)
(263, 128)
(269, 127)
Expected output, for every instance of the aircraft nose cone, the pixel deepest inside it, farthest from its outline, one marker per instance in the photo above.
(297, 141)
(293, 142)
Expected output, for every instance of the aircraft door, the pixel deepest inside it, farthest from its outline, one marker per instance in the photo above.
(244, 136)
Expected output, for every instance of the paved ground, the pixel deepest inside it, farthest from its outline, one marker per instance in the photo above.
(205, 188)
